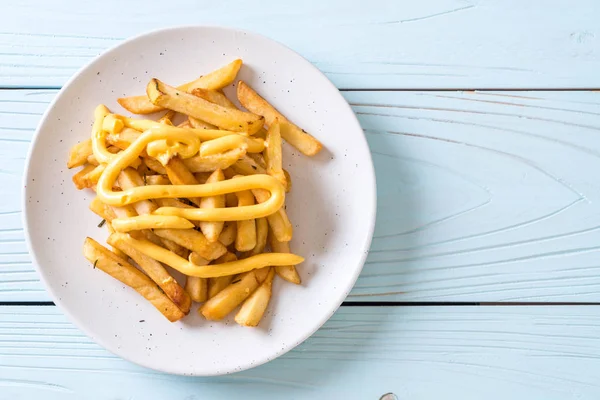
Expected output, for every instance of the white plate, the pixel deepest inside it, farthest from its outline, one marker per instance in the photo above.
(332, 204)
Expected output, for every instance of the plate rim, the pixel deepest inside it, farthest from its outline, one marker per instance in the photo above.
(113, 349)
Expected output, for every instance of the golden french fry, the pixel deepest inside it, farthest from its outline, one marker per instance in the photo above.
(130, 178)
(214, 96)
(155, 271)
(123, 271)
(166, 119)
(287, 272)
(196, 287)
(247, 166)
(288, 181)
(123, 139)
(103, 210)
(194, 241)
(245, 239)
(199, 124)
(202, 177)
(295, 136)
(79, 153)
(166, 243)
(212, 230)
(112, 125)
(124, 211)
(215, 285)
(215, 80)
(235, 120)
(258, 158)
(91, 159)
(211, 163)
(150, 222)
(179, 174)
(279, 221)
(217, 307)
(229, 233)
(262, 231)
(79, 178)
(114, 249)
(155, 166)
(255, 306)
(185, 124)
(156, 180)
(273, 155)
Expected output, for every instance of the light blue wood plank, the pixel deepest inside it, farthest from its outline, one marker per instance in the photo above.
(379, 44)
(483, 196)
(419, 353)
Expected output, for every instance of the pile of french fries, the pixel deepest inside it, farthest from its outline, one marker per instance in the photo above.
(221, 152)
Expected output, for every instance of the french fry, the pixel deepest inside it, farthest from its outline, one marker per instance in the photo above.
(123, 139)
(179, 174)
(215, 285)
(196, 287)
(235, 120)
(211, 163)
(288, 181)
(194, 241)
(214, 96)
(261, 274)
(185, 124)
(123, 271)
(79, 154)
(279, 221)
(295, 136)
(155, 271)
(79, 178)
(199, 124)
(272, 153)
(141, 222)
(247, 166)
(91, 159)
(202, 177)
(166, 243)
(166, 119)
(130, 178)
(287, 272)
(114, 249)
(229, 233)
(112, 125)
(262, 231)
(212, 230)
(104, 211)
(215, 80)
(245, 239)
(217, 307)
(155, 166)
(255, 306)
(156, 180)
(258, 159)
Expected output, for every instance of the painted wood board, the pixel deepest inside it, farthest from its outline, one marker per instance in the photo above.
(471, 353)
(483, 196)
(380, 44)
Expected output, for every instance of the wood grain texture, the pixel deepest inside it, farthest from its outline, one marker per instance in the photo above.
(483, 196)
(379, 44)
(470, 353)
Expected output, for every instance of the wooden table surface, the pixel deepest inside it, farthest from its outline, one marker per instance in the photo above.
(483, 280)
